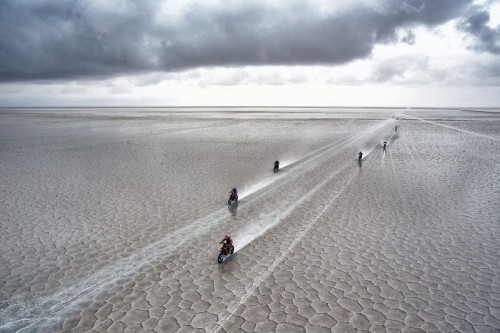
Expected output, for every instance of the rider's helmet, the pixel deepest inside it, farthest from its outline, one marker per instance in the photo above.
(234, 189)
(226, 237)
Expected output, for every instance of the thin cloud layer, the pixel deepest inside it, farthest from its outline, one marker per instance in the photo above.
(66, 39)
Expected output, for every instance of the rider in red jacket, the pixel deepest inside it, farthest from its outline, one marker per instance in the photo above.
(227, 244)
(227, 241)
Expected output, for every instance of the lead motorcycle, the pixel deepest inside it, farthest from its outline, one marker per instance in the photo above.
(225, 252)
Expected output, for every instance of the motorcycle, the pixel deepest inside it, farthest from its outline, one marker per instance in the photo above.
(225, 252)
(276, 166)
(233, 197)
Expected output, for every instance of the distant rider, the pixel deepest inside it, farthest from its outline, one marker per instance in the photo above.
(385, 145)
(276, 166)
(234, 194)
(360, 156)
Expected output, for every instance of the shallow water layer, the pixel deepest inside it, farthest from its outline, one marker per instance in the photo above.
(112, 218)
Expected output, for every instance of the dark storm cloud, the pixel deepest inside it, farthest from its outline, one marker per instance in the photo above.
(487, 39)
(78, 39)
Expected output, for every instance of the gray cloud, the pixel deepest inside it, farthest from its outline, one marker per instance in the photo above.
(67, 39)
(487, 39)
(409, 38)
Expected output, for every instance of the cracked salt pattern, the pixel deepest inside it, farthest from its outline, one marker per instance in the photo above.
(406, 241)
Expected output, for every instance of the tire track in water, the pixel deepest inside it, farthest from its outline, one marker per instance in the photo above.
(312, 160)
(277, 219)
(257, 282)
(324, 159)
(289, 206)
(317, 157)
(455, 128)
(28, 314)
(420, 164)
(55, 304)
(234, 307)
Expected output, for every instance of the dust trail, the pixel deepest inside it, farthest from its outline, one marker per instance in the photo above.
(367, 150)
(348, 142)
(253, 231)
(292, 161)
(456, 129)
(314, 156)
(286, 162)
(232, 309)
(247, 190)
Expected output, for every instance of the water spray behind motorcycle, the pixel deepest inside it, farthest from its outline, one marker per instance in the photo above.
(225, 252)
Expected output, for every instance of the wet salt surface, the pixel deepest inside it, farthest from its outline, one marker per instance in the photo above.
(111, 222)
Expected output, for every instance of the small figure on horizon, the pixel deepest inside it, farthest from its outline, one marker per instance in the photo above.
(385, 145)
(276, 166)
(396, 128)
(360, 156)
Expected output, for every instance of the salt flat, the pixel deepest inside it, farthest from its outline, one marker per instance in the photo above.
(111, 220)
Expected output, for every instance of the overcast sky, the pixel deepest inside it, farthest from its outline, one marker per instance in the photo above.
(296, 53)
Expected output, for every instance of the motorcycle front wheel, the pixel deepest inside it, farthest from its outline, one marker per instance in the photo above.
(220, 258)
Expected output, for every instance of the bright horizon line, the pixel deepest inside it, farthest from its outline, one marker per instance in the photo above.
(246, 107)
